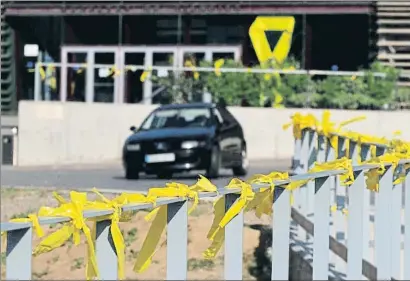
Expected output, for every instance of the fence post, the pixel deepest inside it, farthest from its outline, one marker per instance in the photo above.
(177, 240)
(340, 195)
(407, 227)
(330, 155)
(339, 221)
(233, 242)
(382, 225)
(365, 155)
(379, 151)
(304, 160)
(321, 228)
(312, 157)
(395, 228)
(355, 225)
(280, 234)
(310, 186)
(105, 251)
(301, 194)
(321, 145)
(296, 156)
(18, 254)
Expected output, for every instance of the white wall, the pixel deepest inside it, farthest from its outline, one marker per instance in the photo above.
(65, 133)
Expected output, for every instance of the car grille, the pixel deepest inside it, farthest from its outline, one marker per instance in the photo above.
(160, 146)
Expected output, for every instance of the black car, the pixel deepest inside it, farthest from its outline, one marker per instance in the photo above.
(184, 137)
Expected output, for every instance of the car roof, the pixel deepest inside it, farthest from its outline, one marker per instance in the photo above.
(187, 105)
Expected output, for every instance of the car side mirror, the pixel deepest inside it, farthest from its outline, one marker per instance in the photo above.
(133, 129)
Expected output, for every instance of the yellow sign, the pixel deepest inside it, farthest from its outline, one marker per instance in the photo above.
(260, 41)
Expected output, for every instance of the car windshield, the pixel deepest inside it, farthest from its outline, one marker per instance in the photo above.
(178, 118)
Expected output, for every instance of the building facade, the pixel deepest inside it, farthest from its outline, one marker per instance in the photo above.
(327, 34)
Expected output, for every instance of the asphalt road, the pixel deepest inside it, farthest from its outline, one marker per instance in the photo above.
(110, 177)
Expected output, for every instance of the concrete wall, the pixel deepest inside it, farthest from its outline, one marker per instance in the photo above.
(64, 133)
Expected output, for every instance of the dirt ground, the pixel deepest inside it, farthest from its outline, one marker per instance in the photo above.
(68, 262)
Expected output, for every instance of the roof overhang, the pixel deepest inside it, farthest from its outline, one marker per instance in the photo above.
(77, 8)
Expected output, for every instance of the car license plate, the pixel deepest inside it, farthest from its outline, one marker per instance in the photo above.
(160, 158)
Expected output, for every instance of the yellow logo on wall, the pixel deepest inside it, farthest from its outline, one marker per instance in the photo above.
(257, 33)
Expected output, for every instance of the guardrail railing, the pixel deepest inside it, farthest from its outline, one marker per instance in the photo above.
(316, 188)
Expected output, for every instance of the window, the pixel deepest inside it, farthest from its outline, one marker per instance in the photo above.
(178, 118)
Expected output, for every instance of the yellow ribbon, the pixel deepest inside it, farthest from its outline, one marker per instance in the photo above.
(73, 210)
(31, 218)
(190, 64)
(346, 178)
(324, 127)
(217, 65)
(299, 123)
(145, 74)
(114, 71)
(117, 216)
(334, 133)
(373, 175)
(221, 218)
(264, 198)
(149, 247)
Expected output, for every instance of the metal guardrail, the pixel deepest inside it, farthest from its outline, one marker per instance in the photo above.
(315, 198)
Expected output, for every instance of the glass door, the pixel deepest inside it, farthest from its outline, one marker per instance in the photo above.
(105, 73)
(90, 73)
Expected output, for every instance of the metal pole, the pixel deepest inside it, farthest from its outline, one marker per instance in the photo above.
(229, 70)
(15, 146)
(120, 23)
(179, 31)
(37, 82)
(304, 40)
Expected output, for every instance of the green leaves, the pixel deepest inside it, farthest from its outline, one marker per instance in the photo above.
(297, 90)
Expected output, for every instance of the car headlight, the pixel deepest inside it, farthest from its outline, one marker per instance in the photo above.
(133, 147)
(192, 144)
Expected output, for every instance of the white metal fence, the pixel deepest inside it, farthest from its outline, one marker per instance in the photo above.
(312, 206)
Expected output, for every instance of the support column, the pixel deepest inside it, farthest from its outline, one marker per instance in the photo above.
(308, 45)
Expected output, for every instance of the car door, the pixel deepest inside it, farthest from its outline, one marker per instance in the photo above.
(231, 140)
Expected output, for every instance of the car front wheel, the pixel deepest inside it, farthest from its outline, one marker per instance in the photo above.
(131, 173)
(242, 170)
(214, 163)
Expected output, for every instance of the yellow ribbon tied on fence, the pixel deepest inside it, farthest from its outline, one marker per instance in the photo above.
(217, 65)
(31, 218)
(190, 64)
(343, 163)
(393, 159)
(117, 216)
(149, 247)
(334, 133)
(347, 178)
(300, 122)
(221, 218)
(73, 210)
(324, 127)
(145, 75)
(262, 203)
